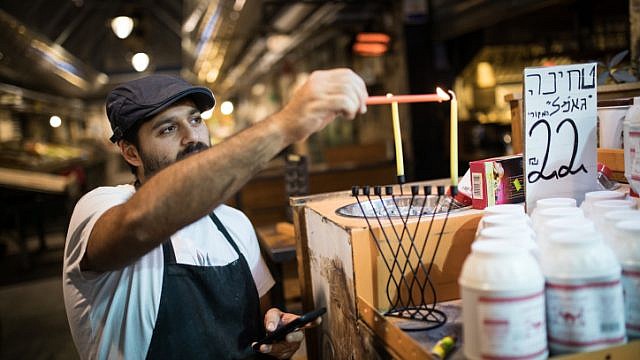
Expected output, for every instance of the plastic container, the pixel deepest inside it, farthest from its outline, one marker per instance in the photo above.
(503, 209)
(506, 220)
(511, 234)
(595, 196)
(611, 218)
(502, 291)
(627, 249)
(545, 215)
(585, 308)
(555, 202)
(565, 224)
(600, 208)
(611, 119)
(516, 209)
(631, 136)
(552, 203)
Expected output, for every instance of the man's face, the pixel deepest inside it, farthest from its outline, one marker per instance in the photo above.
(171, 135)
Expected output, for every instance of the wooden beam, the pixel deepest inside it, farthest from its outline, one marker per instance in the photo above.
(456, 18)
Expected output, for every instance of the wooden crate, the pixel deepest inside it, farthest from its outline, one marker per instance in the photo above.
(517, 131)
(614, 160)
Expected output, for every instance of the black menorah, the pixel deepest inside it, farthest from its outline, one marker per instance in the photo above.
(407, 270)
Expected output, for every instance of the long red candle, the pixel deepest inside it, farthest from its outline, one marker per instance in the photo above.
(379, 100)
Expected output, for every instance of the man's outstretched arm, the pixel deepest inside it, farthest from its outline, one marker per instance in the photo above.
(189, 189)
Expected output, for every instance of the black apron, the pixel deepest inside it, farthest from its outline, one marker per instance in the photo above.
(207, 312)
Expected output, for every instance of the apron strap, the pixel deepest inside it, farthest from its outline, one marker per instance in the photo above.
(224, 232)
(169, 254)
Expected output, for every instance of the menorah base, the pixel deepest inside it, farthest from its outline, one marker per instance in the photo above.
(418, 318)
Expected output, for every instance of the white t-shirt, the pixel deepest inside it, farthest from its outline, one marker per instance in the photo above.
(112, 314)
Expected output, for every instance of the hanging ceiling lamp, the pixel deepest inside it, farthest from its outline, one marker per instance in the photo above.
(140, 61)
(122, 26)
(226, 108)
(371, 44)
(55, 121)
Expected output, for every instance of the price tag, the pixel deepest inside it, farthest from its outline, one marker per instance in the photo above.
(560, 105)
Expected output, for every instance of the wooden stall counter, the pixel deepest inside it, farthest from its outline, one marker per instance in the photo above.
(341, 267)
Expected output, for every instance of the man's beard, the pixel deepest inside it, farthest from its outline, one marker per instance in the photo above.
(152, 165)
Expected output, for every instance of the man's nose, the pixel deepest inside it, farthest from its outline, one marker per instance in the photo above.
(189, 135)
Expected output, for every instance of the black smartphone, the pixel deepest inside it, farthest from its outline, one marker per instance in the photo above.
(280, 333)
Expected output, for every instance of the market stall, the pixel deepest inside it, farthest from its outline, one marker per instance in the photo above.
(542, 265)
(343, 271)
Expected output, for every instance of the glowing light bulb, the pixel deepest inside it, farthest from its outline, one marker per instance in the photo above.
(122, 26)
(226, 108)
(55, 121)
(140, 61)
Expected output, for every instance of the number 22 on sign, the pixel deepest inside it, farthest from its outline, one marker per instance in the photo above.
(560, 131)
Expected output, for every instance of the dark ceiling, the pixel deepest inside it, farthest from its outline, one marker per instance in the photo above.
(66, 47)
(82, 28)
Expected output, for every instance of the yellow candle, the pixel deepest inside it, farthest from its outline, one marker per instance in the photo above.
(454, 139)
(395, 116)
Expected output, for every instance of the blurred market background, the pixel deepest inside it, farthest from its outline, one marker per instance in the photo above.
(59, 58)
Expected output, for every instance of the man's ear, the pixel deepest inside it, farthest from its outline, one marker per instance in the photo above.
(130, 153)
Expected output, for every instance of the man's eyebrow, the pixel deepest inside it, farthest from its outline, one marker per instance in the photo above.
(166, 120)
(170, 119)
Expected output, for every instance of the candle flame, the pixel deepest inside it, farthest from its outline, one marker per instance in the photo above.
(443, 95)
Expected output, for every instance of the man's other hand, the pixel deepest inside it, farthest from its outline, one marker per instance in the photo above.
(273, 319)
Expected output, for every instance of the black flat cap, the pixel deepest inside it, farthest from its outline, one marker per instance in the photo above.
(140, 99)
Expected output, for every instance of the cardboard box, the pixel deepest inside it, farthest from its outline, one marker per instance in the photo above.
(496, 181)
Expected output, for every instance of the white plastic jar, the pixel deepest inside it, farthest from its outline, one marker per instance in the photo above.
(502, 291)
(552, 203)
(555, 202)
(631, 136)
(594, 196)
(565, 224)
(585, 308)
(546, 215)
(503, 209)
(611, 218)
(512, 234)
(600, 208)
(516, 209)
(627, 249)
(503, 220)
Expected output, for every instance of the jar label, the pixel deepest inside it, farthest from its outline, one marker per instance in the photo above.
(585, 314)
(512, 327)
(631, 286)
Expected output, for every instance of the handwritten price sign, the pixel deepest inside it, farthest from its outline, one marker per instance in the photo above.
(560, 132)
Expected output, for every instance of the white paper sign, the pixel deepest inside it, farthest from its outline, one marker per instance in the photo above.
(560, 107)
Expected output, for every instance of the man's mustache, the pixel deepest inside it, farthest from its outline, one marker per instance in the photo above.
(190, 149)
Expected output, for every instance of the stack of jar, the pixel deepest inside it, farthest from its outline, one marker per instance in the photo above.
(586, 256)
(617, 220)
(502, 289)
